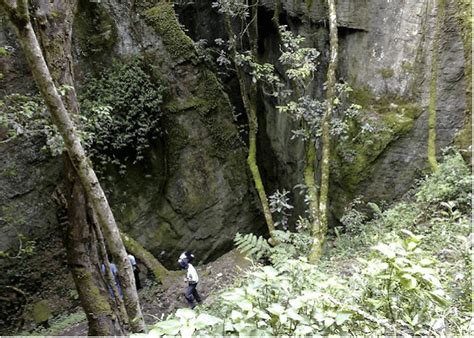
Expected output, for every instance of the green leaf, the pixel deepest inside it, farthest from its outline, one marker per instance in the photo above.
(262, 314)
(204, 320)
(245, 305)
(426, 262)
(167, 327)
(385, 250)
(438, 298)
(292, 314)
(185, 314)
(296, 303)
(233, 296)
(270, 272)
(303, 330)
(328, 321)
(241, 326)
(408, 281)
(276, 309)
(236, 315)
(342, 317)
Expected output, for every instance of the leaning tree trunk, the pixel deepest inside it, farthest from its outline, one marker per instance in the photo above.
(320, 228)
(55, 33)
(249, 98)
(83, 260)
(19, 16)
(136, 249)
(440, 4)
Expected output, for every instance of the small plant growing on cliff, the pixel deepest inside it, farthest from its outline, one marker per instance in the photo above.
(121, 113)
(26, 247)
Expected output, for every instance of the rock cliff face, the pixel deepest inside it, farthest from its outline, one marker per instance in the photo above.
(385, 56)
(193, 191)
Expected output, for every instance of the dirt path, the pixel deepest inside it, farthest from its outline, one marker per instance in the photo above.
(158, 300)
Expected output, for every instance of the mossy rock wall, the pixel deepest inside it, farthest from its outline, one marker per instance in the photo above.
(385, 55)
(192, 191)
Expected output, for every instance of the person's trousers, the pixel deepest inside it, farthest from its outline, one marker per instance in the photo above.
(192, 294)
(136, 274)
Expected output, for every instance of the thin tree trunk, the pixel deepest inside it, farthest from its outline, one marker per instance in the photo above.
(310, 182)
(104, 259)
(19, 16)
(440, 8)
(320, 228)
(249, 98)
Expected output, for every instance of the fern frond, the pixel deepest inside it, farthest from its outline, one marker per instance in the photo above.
(251, 245)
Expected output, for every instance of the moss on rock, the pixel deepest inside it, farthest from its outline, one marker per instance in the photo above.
(41, 311)
(389, 117)
(163, 19)
(464, 138)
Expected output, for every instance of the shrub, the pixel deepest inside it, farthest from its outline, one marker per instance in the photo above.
(450, 182)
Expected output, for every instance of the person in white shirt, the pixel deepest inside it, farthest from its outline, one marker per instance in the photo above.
(192, 279)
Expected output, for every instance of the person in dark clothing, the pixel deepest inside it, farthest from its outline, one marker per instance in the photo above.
(136, 271)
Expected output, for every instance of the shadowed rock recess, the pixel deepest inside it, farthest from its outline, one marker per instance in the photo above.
(192, 190)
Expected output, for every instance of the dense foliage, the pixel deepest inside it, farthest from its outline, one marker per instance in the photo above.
(121, 113)
(407, 271)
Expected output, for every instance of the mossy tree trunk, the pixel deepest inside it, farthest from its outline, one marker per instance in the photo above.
(249, 92)
(321, 224)
(54, 34)
(135, 248)
(310, 182)
(105, 265)
(440, 8)
(18, 14)
(84, 262)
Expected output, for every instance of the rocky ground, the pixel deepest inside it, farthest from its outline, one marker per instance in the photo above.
(161, 300)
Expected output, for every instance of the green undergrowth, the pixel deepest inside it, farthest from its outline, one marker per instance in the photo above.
(405, 271)
(57, 325)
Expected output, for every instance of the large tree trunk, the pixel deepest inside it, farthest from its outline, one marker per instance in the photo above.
(54, 32)
(249, 98)
(83, 260)
(320, 228)
(19, 16)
